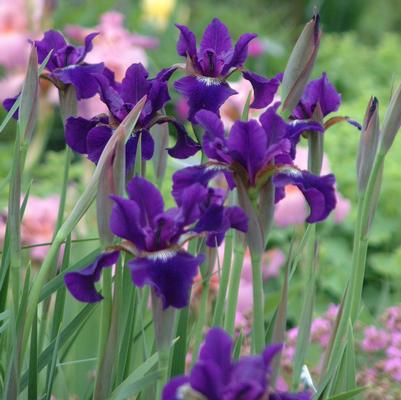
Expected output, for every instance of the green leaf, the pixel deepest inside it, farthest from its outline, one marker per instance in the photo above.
(64, 336)
(134, 382)
(180, 348)
(348, 395)
(33, 362)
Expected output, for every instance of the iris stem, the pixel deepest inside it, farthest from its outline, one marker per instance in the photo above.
(225, 275)
(258, 331)
(235, 277)
(201, 321)
(106, 311)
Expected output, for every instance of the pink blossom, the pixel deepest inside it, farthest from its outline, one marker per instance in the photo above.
(393, 367)
(232, 109)
(332, 311)
(38, 224)
(393, 318)
(115, 46)
(293, 210)
(320, 331)
(394, 350)
(374, 339)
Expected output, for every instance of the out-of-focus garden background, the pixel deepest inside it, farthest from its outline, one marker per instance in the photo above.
(361, 53)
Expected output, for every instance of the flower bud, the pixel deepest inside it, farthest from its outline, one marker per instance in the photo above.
(392, 121)
(368, 143)
(300, 64)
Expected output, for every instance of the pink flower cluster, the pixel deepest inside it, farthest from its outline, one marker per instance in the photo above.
(378, 351)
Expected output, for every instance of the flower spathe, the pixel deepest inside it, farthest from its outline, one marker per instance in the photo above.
(209, 67)
(254, 152)
(216, 376)
(155, 236)
(90, 136)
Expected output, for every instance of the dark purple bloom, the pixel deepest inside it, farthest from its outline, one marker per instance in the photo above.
(255, 152)
(318, 92)
(209, 67)
(90, 136)
(66, 63)
(81, 284)
(216, 376)
(155, 237)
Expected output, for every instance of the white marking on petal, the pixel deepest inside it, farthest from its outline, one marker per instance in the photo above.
(162, 255)
(208, 81)
(216, 167)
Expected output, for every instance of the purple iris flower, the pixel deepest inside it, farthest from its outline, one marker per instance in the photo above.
(155, 236)
(255, 152)
(318, 92)
(216, 376)
(66, 65)
(90, 136)
(209, 67)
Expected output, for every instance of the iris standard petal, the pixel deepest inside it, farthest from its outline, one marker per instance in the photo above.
(52, 40)
(240, 53)
(135, 84)
(185, 146)
(186, 44)
(247, 145)
(217, 38)
(148, 199)
(125, 221)
(318, 91)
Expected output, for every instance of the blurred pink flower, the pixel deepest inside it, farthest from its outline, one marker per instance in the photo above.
(393, 318)
(393, 367)
(374, 339)
(232, 109)
(394, 350)
(18, 23)
(115, 46)
(321, 330)
(293, 210)
(332, 311)
(38, 224)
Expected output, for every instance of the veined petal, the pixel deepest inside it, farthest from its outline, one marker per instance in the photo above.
(203, 93)
(247, 145)
(76, 133)
(186, 44)
(318, 191)
(214, 141)
(240, 53)
(216, 37)
(135, 84)
(186, 177)
(148, 199)
(96, 141)
(125, 221)
(81, 284)
(318, 91)
(52, 40)
(169, 273)
(264, 89)
(82, 78)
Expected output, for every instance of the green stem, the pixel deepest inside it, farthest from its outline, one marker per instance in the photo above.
(106, 311)
(239, 252)
(223, 285)
(258, 331)
(201, 321)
